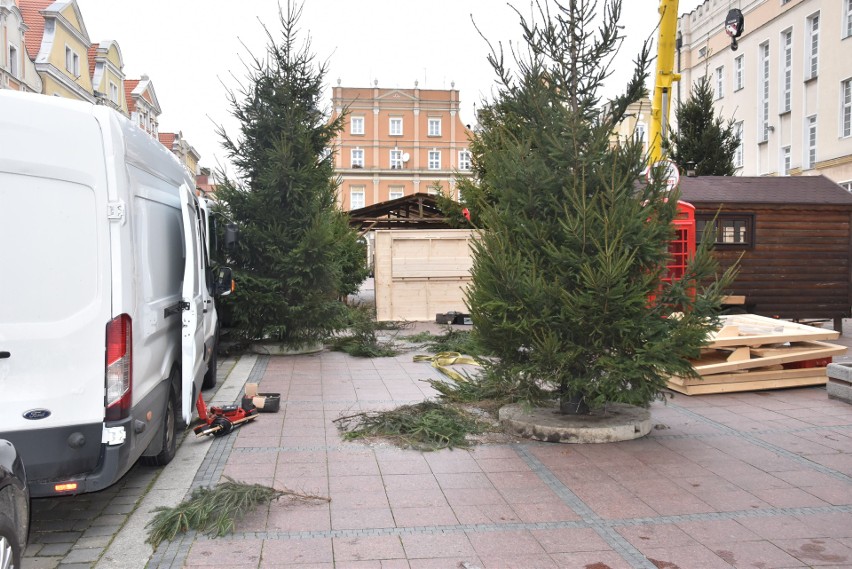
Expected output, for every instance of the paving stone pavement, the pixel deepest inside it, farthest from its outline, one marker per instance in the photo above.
(758, 479)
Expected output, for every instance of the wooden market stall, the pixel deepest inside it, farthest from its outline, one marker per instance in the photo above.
(793, 236)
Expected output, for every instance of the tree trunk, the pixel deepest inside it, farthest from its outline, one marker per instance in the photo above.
(573, 405)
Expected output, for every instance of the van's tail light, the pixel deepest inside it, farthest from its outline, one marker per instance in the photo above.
(119, 367)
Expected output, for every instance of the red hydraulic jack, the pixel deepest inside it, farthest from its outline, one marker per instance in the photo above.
(219, 421)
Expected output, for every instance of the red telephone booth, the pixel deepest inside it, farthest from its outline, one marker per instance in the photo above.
(682, 247)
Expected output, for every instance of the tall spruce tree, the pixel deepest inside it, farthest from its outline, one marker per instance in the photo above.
(296, 255)
(566, 287)
(702, 137)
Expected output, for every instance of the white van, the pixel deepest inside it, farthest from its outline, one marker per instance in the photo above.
(107, 323)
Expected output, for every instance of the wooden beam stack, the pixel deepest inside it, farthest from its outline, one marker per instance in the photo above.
(751, 352)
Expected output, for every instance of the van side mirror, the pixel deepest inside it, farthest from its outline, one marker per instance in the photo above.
(225, 281)
(232, 234)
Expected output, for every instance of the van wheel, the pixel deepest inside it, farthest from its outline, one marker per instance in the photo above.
(210, 377)
(169, 434)
(10, 549)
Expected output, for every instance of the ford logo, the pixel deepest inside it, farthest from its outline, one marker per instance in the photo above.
(36, 414)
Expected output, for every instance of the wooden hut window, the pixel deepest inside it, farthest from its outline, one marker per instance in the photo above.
(729, 230)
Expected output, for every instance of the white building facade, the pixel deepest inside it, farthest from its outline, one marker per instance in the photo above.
(788, 86)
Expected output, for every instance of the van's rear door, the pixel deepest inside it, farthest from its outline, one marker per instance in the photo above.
(192, 332)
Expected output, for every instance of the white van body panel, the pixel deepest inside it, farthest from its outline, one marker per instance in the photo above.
(101, 222)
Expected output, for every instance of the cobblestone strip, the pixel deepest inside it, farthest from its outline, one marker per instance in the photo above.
(614, 539)
(174, 554)
(766, 445)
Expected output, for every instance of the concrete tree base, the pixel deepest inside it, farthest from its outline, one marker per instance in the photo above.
(620, 423)
(276, 349)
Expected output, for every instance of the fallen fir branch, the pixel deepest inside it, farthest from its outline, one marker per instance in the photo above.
(215, 511)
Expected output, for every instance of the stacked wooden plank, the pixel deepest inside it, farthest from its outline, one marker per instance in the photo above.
(751, 352)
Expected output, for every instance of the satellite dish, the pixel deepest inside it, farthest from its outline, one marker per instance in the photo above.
(406, 157)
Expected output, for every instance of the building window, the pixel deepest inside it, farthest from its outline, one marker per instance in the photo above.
(763, 102)
(356, 125)
(464, 160)
(720, 82)
(785, 161)
(396, 192)
(113, 92)
(434, 159)
(786, 70)
(847, 20)
(396, 159)
(640, 133)
(357, 155)
(356, 197)
(811, 142)
(812, 47)
(846, 111)
(846, 186)
(434, 127)
(72, 62)
(13, 60)
(738, 153)
(728, 229)
(396, 126)
(738, 73)
(702, 53)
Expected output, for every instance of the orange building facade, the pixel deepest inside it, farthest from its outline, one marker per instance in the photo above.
(397, 142)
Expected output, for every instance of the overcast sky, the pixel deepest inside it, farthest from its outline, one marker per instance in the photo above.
(190, 48)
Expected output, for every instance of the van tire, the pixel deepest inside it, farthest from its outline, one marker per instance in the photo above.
(209, 381)
(9, 542)
(169, 434)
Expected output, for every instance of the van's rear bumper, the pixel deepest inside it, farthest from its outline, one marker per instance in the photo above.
(73, 454)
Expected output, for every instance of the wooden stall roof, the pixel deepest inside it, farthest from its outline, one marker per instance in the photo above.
(417, 211)
(782, 190)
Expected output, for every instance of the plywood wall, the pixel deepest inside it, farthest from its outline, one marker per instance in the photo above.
(421, 273)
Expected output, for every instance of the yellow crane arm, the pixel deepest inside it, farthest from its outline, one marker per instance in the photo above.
(663, 78)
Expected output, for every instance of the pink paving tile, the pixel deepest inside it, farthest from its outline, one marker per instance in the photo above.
(300, 469)
(541, 561)
(656, 535)
(581, 474)
(445, 562)
(434, 516)
(313, 486)
(464, 480)
(502, 480)
(533, 495)
(344, 484)
(612, 501)
(394, 564)
(355, 467)
(224, 552)
(254, 520)
(592, 560)
(502, 465)
(298, 517)
(677, 503)
(789, 498)
(297, 441)
(257, 442)
(367, 547)
(817, 552)
(837, 525)
(425, 498)
(416, 465)
(452, 461)
(278, 552)
(567, 540)
(241, 471)
(473, 496)
(545, 512)
(426, 546)
(756, 554)
(394, 482)
(692, 557)
(504, 544)
(779, 527)
(486, 514)
(353, 500)
(720, 532)
(493, 451)
(730, 501)
(361, 518)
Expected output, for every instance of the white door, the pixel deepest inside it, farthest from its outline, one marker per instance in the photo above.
(192, 330)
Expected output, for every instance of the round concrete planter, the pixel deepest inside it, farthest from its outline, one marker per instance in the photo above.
(619, 423)
(277, 349)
